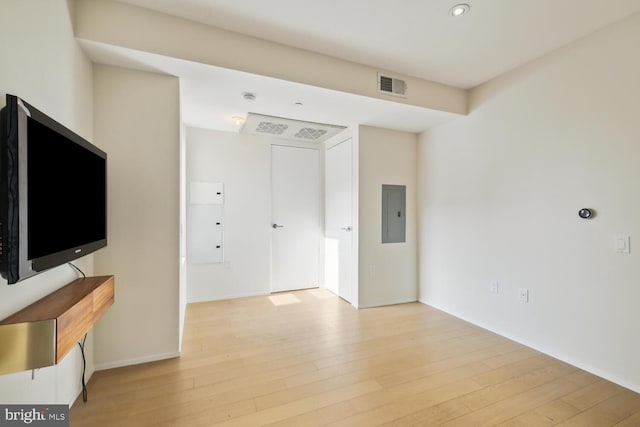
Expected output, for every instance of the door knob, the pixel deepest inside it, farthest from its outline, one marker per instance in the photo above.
(277, 226)
(345, 228)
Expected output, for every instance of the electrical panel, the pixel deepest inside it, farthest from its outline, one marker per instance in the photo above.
(394, 213)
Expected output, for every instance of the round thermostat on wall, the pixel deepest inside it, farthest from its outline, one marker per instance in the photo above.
(585, 213)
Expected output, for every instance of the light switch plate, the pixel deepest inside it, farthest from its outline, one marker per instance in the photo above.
(493, 287)
(622, 244)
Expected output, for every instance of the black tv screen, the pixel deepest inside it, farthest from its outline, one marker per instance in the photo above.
(52, 193)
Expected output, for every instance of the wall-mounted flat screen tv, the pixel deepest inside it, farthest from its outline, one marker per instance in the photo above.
(53, 193)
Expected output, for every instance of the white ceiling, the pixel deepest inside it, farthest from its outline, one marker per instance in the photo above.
(412, 37)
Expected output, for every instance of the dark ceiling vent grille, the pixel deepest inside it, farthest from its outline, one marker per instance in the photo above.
(392, 86)
(386, 84)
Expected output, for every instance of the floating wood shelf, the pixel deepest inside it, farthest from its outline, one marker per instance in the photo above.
(44, 332)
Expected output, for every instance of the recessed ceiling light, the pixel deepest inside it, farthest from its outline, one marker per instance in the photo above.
(238, 120)
(459, 9)
(299, 104)
(248, 96)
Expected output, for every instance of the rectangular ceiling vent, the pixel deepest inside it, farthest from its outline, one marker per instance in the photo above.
(392, 86)
(271, 128)
(286, 128)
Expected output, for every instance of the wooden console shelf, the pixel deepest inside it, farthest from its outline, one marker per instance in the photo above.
(69, 312)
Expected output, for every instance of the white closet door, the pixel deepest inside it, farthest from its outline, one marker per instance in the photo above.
(295, 206)
(338, 219)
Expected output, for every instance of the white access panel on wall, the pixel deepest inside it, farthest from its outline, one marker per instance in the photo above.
(206, 193)
(206, 222)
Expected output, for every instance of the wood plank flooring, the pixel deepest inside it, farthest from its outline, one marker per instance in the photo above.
(307, 358)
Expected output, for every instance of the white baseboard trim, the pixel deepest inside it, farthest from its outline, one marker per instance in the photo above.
(226, 297)
(563, 358)
(394, 302)
(136, 361)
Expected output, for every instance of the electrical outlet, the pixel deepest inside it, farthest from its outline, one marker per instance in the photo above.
(523, 295)
(372, 270)
(493, 287)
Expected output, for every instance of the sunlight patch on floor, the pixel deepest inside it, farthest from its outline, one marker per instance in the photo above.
(320, 293)
(283, 299)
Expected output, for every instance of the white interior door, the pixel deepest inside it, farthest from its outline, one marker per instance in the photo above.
(295, 207)
(338, 219)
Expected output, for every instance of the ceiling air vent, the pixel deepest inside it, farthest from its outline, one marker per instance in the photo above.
(291, 129)
(392, 86)
(309, 133)
(271, 128)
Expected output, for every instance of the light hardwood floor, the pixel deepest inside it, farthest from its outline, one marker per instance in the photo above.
(307, 358)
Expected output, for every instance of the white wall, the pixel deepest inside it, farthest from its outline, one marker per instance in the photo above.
(499, 196)
(387, 272)
(137, 121)
(243, 164)
(44, 65)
